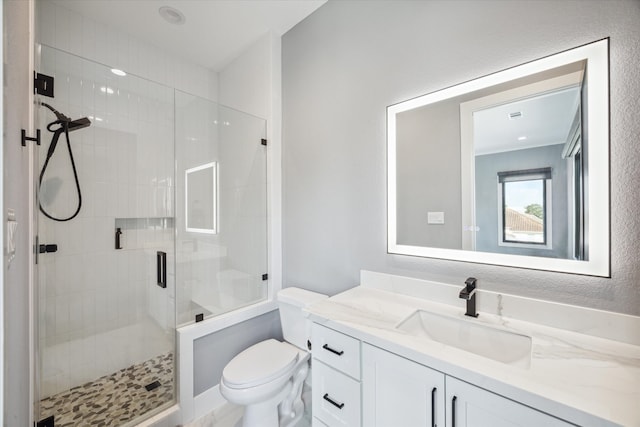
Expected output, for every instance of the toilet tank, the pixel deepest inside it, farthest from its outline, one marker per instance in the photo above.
(296, 329)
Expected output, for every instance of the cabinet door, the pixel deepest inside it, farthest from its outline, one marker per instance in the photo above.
(399, 392)
(471, 406)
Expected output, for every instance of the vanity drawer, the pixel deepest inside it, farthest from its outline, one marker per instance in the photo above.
(337, 350)
(336, 397)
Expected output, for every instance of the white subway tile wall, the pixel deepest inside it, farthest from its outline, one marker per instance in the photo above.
(95, 299)
(91, 292)
(67, 30)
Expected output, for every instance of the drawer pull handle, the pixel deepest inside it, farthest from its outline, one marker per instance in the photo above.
(326, 347)
(333, 402)
(453, 411)
(433, 407)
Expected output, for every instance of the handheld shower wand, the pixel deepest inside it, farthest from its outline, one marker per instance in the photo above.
(66, 125)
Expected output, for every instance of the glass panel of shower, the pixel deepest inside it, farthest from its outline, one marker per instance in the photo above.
(221, 209)
(106, 282)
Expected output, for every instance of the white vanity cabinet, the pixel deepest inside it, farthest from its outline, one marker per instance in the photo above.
(399, 392)
(356, 384)
(471, 406)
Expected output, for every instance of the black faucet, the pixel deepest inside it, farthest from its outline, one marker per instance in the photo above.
(468, 293)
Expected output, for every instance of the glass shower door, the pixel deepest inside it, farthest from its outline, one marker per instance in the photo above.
(221, 225)
(106, 287)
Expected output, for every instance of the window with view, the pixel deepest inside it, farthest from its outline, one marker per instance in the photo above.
(524, 198)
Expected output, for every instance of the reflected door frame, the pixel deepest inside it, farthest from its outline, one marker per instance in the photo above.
(467, 151)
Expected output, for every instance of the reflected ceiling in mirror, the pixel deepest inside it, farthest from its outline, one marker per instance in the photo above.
(508, 169)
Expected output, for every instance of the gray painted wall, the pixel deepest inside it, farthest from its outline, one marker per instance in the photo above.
(487, 168)
(212, 352)
(17, 406)
(428, 175)
(350, 59)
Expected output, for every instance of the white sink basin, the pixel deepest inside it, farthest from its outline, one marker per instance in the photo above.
(497, 344)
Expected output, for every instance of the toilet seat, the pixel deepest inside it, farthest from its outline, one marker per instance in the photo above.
(260, 364)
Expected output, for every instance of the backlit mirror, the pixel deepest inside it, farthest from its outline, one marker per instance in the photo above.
(509, 169)
(201, 195)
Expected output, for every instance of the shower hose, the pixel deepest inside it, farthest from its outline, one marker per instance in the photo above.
(63, 128)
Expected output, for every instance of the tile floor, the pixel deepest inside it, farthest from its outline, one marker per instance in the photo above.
(116, 399)
(67, 365)
(229, 415)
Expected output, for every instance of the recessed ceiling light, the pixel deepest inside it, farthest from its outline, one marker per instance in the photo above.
(172, 15)
(522, 138)
(118, 72)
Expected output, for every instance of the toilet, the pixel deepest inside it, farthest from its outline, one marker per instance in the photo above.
(267, 378)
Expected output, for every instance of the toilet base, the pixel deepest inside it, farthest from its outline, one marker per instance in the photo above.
(291, 408)
(264, 414)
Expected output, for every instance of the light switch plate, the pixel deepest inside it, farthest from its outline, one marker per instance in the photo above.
(435, 217)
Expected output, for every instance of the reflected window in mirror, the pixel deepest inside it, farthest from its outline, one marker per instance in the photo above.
(525, 207)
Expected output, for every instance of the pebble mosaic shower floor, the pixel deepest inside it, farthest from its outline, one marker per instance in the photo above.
(115, 399)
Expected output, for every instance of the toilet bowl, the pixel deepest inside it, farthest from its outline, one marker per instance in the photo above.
(267, 378)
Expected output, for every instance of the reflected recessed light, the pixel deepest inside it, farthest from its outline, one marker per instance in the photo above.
(118, 72)
(172, 15)
(106, 90)
(522, 138)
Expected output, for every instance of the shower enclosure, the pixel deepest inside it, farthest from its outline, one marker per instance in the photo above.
(105, 327)
(171, 228)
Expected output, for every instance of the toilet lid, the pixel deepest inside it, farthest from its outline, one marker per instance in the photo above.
(260, 364)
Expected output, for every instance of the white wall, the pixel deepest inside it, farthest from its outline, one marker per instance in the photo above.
(69, 31)
(17, 58)
(2, 228)
(252, 83)
(350, 59)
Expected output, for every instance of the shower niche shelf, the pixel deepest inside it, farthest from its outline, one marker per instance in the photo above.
(141, 233)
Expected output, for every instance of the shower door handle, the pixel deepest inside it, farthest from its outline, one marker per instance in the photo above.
(42, 249)
(161, 263)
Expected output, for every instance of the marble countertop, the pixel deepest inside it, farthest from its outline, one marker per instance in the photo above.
(583, 379)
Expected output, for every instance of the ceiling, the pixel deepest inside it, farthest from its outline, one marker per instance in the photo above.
(546, 120)
(215, 32)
